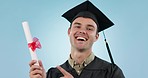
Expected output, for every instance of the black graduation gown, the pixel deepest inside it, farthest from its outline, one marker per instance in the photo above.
(98, 68)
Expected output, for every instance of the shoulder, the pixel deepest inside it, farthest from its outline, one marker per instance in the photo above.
(101, 65)
(105, 64)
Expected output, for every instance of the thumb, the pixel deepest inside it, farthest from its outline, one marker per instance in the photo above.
(42, 68)
(40, 63)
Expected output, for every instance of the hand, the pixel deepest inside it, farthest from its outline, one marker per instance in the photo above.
(37, 71)
(65, 73)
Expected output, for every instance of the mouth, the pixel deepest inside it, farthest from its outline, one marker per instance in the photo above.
(81, 38)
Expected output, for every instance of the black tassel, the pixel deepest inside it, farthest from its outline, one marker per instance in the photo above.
(108, 49)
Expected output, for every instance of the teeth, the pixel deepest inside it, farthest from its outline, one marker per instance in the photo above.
(82, 38)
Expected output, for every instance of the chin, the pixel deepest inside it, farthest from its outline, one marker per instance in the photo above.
(81, 49)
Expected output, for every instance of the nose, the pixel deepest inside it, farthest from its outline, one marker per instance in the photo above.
(82, 31)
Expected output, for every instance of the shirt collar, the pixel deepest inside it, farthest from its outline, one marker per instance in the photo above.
(85, 63)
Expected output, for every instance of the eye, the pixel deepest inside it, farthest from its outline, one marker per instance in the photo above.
(76, 26)
(90, 28)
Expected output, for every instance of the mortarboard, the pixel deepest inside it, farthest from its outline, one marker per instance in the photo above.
(88, 10)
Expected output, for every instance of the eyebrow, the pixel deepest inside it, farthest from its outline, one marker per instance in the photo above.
(89, 25)
(77, 23)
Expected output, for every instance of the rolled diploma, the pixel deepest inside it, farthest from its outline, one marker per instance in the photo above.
(29, 40)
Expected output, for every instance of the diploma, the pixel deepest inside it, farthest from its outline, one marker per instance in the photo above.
(29, 40)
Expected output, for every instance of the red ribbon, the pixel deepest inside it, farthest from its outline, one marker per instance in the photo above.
(35, 44)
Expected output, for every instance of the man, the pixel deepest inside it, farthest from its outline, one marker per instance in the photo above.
(86, 22)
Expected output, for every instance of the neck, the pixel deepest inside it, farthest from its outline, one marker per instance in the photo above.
(79, 57)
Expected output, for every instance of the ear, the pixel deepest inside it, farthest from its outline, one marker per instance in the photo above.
(69, 31)
(96, 37)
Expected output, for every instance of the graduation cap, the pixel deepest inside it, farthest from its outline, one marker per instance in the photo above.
(88, 10)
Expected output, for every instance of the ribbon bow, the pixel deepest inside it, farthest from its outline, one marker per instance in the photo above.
(35, 44)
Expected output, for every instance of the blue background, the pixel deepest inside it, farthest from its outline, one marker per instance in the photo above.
(127, 38)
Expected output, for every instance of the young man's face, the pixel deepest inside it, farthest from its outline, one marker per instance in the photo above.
(83, 33)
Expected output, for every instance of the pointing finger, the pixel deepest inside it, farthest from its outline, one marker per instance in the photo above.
(63, 71)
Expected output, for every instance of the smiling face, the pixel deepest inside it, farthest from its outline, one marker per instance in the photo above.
(82, 34)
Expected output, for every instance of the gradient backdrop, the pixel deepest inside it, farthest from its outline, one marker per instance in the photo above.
(127, 38)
